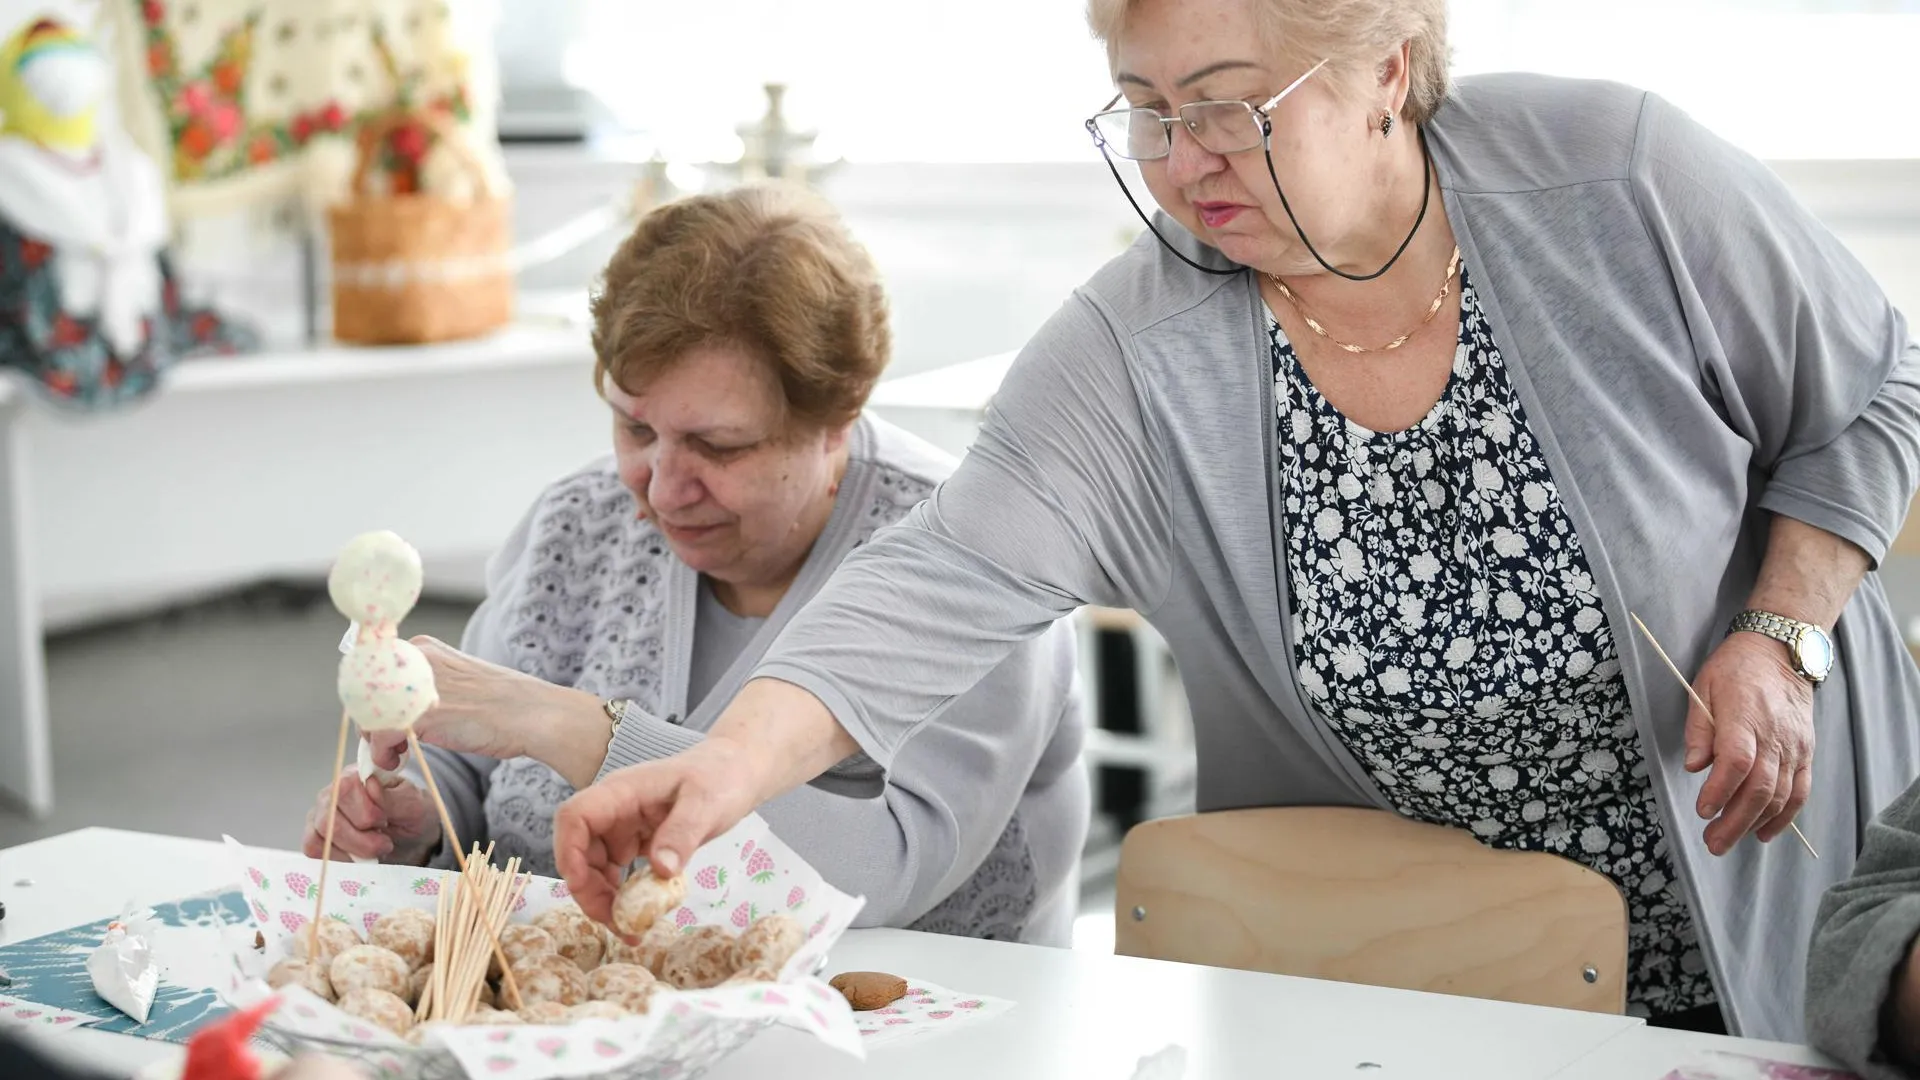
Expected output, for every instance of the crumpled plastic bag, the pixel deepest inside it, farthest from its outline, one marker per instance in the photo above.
(124, 973)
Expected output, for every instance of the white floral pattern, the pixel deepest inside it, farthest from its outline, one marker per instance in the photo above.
(1448, 629)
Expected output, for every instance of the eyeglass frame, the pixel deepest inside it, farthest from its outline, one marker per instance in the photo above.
(1262, 112)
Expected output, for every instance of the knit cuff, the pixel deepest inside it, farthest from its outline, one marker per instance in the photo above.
(643, 737)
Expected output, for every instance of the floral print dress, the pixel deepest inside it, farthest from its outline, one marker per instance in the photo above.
(1447, 627)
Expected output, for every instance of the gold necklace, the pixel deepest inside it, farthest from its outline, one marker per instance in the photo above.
(1446, 286)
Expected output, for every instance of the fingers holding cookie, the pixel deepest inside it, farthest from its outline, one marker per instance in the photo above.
(643, 899)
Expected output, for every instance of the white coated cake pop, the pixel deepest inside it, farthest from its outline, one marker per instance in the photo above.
(386, 682)
(376, 579)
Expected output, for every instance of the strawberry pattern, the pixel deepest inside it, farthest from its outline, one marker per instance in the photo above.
(696, 1030)
(926, 1009)
(760, 867)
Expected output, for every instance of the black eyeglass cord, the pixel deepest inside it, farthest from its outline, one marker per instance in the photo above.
(1426, 198)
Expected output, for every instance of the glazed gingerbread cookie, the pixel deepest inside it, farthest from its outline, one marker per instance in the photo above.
(651, 953)
(407, 933)
(550, 977)
(294, 970)
(644, 898)
(378, 1007)
(575, 936)
(869, 990)
(544, 1012)
(336, 937)
(769, 943)
(369, 967)
(699, 960)
(521, 942)
(595, 1010)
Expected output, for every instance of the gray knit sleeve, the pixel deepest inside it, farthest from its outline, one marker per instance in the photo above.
(1061, 502)
(951, 796)
(1799, 346)
(1862, 934)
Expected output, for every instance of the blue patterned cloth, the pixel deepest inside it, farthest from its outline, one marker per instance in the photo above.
(52, 970)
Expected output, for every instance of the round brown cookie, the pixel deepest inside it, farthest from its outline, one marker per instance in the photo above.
(296, 971)
(643, 899)
(378, 1007)
(544, 1012)
(550, 977)
(869, 990)
(575, 936)
(369, 967)
(699, 960)
(407, 932)
(769, 943)
(520, 942)
(595, 1010)
(336, 937)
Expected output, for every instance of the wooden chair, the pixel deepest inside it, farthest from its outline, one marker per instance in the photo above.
(1367, 896)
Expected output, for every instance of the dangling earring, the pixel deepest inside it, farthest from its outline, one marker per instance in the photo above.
(1386, 123)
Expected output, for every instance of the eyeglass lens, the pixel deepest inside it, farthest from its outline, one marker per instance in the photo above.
(1221, 127)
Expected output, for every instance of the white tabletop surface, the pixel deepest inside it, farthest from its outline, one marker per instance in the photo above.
(1078, 1013)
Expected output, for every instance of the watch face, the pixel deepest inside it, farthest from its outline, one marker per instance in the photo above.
(1815, 653)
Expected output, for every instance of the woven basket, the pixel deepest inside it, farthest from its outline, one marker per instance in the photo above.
(415, 268)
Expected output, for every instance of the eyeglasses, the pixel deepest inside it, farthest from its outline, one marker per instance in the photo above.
(1221, 127)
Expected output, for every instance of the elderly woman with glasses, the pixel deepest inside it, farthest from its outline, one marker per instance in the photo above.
(1419, 402)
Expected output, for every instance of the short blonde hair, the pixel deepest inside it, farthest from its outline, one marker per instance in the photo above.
(768, 268)
(1346, 33)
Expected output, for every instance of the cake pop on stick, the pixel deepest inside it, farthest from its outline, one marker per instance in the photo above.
(385, 682)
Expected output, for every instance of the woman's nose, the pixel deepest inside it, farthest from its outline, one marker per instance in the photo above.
(675, 483)
(1188, 161)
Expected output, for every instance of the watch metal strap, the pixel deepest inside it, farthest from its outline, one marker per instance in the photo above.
(1777, 627)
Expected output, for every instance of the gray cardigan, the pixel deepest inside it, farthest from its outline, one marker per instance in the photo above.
(981, 832)
(1865, 927)
(1694, 353)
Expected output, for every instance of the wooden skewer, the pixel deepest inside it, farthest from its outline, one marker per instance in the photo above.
(1702, 705)
(453, 842)
(326, 848)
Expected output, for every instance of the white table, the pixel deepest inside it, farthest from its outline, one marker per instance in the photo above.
(1079, 1014)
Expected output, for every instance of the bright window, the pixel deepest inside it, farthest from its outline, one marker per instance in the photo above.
(1010, 80)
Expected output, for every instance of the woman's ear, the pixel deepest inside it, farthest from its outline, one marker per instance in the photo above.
(1395, 74)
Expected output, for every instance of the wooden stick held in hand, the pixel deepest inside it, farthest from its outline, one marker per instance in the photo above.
(326, 848)
(1702, 706)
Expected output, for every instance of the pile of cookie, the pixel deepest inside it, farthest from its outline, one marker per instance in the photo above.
(564, 966)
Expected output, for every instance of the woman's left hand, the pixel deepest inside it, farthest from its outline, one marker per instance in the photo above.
(502, 713)
(484, 708)
(1758, 741)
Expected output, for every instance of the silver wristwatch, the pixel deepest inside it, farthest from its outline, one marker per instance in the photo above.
(1808, 645)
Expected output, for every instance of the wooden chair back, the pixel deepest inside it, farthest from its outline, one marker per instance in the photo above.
(1367, 896)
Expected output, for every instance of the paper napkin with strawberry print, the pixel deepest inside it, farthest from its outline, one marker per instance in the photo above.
(925, 1010)
(14, 1010)
(732, 882)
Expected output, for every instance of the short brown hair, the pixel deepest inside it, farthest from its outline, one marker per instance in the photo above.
(1346, 33)
(769, 268)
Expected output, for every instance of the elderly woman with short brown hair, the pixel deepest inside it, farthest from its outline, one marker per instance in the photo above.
(736, 338)
(1417, 394)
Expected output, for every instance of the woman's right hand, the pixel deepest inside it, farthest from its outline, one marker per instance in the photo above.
(386, 818)
(772, 738)
(661, 810)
